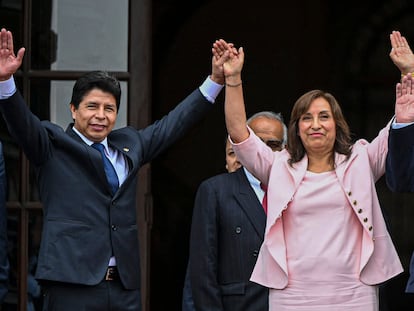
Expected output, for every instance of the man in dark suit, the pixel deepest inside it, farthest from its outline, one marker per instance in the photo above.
(227, 232)
(232, 164)
(87, 178)
(4, 262)
(400, 158)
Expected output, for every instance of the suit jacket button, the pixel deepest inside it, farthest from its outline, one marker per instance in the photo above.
(114, 228)
(238, 230)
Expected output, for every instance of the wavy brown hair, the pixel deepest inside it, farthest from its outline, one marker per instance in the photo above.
(295, 146)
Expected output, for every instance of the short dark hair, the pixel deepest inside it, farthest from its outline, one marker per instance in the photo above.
(101, 80)
(342, 145)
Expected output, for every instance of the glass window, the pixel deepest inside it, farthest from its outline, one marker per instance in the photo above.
(79, 35)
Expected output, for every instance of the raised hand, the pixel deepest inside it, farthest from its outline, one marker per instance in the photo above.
(234, 58)
(404, 103)
(9, 62)
(401, 54)
(219, 58)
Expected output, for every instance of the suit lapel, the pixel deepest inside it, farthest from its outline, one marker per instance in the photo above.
(95, 158)
(248, 201)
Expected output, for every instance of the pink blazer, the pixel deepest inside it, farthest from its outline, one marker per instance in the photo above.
(357, 176)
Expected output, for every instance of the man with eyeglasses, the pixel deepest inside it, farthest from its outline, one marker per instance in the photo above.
(227, 231)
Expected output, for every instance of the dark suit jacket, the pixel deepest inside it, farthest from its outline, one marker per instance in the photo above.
(400, 171)
(226, 233)
(4, 262)
(187, 299)
(83, 223)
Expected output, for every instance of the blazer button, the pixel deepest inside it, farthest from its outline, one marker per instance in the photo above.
(238, 230)
(255, 253)
(114, 228)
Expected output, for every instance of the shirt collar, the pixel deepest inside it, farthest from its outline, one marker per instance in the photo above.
(90, 142)
(252, 180)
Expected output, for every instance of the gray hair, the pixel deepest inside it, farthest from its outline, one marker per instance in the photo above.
(273, 116)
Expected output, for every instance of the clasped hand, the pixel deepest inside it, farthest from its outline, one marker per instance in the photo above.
(234, 58)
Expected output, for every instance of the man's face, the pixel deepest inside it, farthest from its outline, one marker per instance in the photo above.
(268, 130)
(96, 115)
(232, 164)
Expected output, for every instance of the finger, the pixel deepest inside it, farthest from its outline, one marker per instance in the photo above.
(217, 50)
(405, 42)
(222, 43)
(411, 90)
(3, 38)
(10, 41)
(220, 46)
(20, 54)
(398, 39)
(409, 83)
(398, 90)
(394, 37)
(241, 52)
(223, 58)
(404, 86)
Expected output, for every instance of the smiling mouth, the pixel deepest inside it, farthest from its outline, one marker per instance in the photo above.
(97, 126)
(316, 134)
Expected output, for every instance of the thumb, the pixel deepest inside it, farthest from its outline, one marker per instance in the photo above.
(20, 54)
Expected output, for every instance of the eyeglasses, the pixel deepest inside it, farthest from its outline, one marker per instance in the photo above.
(274, 144)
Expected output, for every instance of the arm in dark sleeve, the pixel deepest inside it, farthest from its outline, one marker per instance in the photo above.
(161, 134)
(400, 160)
(204, 251)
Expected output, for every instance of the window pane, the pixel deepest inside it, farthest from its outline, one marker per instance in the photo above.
(77, 35)
(11, 15)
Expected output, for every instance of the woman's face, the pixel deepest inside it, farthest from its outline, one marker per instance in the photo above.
(317, 128)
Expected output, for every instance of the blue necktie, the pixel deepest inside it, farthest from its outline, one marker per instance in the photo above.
(109, 169)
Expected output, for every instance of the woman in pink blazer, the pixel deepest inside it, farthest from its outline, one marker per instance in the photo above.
(326, 246)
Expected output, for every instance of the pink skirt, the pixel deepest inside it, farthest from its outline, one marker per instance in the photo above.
(322, 296)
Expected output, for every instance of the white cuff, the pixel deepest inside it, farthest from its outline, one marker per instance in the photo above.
(7, 88)
(210, 90)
